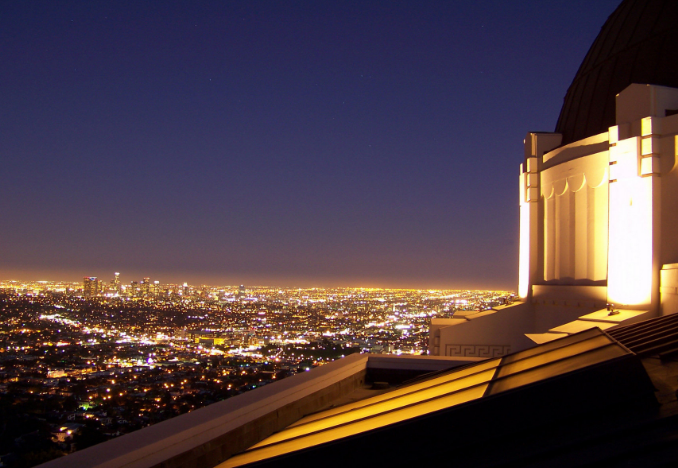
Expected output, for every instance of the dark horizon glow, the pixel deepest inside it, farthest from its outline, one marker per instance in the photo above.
(294, 143)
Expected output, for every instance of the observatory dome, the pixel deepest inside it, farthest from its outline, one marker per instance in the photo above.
(637, 44)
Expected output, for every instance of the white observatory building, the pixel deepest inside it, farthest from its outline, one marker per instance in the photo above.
(598, 198)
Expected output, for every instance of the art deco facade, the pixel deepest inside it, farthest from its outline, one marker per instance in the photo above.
(598, 197)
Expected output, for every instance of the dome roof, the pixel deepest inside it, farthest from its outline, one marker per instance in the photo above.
(637, 44)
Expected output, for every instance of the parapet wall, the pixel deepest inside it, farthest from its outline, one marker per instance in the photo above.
(210, 435)
(487, 334)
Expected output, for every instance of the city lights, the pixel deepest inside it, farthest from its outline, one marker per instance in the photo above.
(122, 357)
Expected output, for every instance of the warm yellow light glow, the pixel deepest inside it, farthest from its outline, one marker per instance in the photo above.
(553, 355)
(384, 406)
(387, 402)
(335, 433)
(489, 364)
(524, 248)
(630, 238)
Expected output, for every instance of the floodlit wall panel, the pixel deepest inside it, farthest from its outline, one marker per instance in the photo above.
(525, 239)
(574, 197)
(631, 228)
(550, 238)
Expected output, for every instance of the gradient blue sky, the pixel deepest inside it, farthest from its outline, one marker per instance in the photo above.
(289, 143)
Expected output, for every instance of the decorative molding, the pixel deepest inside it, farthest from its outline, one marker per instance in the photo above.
(479, 350)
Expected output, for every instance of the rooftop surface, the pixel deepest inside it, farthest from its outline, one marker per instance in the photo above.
(566, 402)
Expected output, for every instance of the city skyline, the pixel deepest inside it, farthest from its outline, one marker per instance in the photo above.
(290, 144)
(104, 365)
(90, 286)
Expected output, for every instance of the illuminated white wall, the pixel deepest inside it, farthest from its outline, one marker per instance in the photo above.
(630, 237)
(524, 267)
(525, 238)
(536, 144)
(575, 206)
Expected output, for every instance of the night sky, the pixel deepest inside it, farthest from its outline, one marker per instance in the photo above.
(282, 143)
